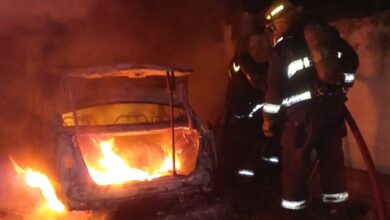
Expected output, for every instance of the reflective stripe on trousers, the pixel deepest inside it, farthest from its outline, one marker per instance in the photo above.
(335, 198)
(293, 205)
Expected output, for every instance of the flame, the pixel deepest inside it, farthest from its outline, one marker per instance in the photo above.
(113, 169)
(36, 179)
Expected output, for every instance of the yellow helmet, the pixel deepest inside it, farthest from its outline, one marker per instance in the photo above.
(278, 8)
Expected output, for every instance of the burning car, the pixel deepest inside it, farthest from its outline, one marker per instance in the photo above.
(128, 132)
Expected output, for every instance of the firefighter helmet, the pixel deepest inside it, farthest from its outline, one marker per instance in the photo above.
(280, 16)
(278, 8)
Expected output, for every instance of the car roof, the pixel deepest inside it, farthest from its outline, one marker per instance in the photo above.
(127, 70)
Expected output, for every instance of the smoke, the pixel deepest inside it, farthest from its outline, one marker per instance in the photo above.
(41, 39)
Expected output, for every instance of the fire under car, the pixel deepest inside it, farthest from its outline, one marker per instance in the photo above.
(128, 132)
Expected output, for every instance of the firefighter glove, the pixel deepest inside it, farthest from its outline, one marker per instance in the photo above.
(270, 127)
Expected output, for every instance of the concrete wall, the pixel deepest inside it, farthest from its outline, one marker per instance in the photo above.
(369, 98)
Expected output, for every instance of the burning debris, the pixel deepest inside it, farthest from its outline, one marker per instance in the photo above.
(108, 164)
(115, 170)
(28, 194)
(39, 180)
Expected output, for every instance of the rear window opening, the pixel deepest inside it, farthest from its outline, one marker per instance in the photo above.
(122, 114)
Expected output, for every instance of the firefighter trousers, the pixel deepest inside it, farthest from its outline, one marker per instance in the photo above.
(315, 124)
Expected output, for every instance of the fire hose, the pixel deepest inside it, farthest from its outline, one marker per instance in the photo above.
(372, 174)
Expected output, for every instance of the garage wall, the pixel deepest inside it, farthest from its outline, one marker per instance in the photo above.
(369, 98)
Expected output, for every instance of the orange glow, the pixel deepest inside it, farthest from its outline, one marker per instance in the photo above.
(112, 168)
(36, 179)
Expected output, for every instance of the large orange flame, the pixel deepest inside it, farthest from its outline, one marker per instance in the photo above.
(113, 169)
(41, 181)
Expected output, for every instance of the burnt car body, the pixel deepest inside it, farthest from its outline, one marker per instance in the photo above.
(116, 130)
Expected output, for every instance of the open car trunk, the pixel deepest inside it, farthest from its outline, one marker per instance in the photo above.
(119, 130)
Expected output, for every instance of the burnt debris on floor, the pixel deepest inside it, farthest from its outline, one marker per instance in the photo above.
(240, 199)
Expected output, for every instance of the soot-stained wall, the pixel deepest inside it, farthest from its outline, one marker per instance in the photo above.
(369, 97)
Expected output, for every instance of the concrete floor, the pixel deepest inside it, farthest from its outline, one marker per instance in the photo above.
(252, 200)
(233, 198)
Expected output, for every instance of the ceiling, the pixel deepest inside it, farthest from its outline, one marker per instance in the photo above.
(330, 9)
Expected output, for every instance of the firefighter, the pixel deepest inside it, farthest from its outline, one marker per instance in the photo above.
(310, 69)
(247, 73)
(247, 146)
